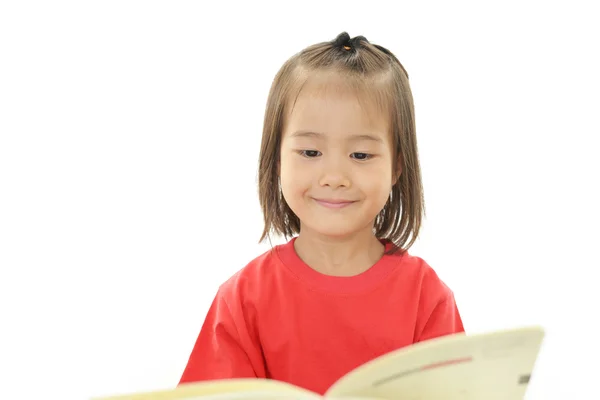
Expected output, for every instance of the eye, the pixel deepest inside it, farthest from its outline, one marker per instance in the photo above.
(361, 156)
(310, 153)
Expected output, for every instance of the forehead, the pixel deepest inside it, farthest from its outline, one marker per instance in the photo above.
(334, 106)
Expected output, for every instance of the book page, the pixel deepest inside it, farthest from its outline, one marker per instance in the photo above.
(257, 395)
(244, 388)
(491, 366)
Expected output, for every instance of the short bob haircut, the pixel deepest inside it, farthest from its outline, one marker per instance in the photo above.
(375, 73)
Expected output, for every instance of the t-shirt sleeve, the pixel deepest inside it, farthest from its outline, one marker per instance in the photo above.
(224, 348)
(443, 320)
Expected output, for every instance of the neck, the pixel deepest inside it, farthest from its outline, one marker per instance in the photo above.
(339, 256)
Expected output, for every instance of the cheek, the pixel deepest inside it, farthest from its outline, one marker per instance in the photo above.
(377, 182)
(294, 175)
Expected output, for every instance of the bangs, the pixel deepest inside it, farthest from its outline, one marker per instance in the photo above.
(373, 93)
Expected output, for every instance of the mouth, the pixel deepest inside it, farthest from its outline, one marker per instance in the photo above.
(334, 203)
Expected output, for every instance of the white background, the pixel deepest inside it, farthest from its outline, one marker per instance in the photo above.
(129, 137)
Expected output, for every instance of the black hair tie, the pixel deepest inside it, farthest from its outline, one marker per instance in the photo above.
(344, 41)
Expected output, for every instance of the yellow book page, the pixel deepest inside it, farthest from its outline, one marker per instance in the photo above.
(244, 388)
(491, 366)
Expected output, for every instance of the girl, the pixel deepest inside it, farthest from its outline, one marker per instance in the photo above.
(339, 174)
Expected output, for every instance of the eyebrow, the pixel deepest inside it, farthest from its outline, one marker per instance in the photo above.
(352, 137)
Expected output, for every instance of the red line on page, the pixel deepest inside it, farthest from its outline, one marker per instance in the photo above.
(446, 363)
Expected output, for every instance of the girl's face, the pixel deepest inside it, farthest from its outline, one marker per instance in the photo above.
(336, 161)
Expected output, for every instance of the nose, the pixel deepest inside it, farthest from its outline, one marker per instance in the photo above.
(334, 173)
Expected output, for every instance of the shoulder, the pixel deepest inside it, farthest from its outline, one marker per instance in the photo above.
(431, 299)
(417, 272)
(253, 278)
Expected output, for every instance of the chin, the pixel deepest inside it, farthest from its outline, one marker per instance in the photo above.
(334, 230)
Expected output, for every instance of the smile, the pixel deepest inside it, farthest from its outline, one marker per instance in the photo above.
(334, 203)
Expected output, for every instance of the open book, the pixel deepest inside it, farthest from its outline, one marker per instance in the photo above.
(490, 366)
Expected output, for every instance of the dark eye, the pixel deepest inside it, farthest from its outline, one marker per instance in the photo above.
(310, 153)
(361, 156)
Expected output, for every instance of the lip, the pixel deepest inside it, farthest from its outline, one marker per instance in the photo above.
(334, 203)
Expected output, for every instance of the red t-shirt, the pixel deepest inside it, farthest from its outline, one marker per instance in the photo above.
(278, 318)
